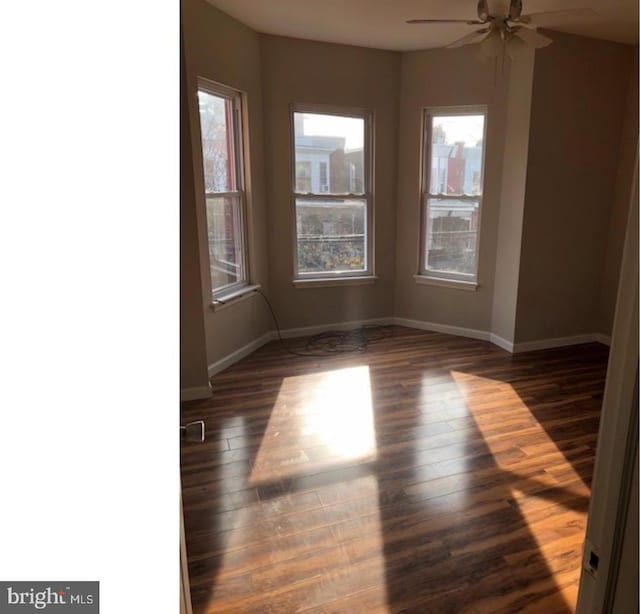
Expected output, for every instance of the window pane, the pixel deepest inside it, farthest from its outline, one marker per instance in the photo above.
(217, 142)
(331, 235)
(303, 176)
(452, 232)
(225, 240)
(456, 154)
(329, 154)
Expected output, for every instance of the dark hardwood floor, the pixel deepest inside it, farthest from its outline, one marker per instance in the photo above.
(430, 473)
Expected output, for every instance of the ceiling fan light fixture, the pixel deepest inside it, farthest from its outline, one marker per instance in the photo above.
(516, 48)
(491, 46)
(505, 29)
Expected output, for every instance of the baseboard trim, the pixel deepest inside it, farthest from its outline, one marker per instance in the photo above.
(447, 329)
(290, 333)
(557, 342)
(604, 339)
(307, 331)
(239, 354)
(501, 342)
(195, 394)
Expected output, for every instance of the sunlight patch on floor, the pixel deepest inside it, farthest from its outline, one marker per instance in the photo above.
(356, 573)
(480, 395)
(536, 486)
(318, 420)
(271, 538)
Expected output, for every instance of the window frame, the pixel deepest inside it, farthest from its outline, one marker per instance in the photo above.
(428, 113)
(366, 195)
(239, 164)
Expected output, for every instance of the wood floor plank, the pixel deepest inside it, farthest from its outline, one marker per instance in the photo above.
(429, 473)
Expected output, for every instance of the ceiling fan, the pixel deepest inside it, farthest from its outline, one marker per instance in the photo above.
(504, 30)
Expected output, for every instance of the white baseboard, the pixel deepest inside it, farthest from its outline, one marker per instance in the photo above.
(557, 342)
(460, 331)
(509, 346)
(307, 331)
(290, 333)
(501, 342)
(471, 333)
(600, 338)
(245, 350)
(194, 394)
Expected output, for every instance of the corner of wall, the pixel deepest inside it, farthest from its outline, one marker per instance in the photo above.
(211, 34)
(621, 200)
(512, 198)
(193, 355)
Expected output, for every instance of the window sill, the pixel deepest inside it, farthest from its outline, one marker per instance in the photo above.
(456, 284)
(233, 298)
(325, 282)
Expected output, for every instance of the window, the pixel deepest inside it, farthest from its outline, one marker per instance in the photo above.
(324, 184)
(332, 193)
(352, 177)
(303, 177)
(452, 192)
(221, 133)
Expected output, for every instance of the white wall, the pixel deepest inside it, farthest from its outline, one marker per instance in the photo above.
(546, 280)
(222, 49)
(433, 78)
(308, 72)
(617, 408)
(512, 198)
(579, 95)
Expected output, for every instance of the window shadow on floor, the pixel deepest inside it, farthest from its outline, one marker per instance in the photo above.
(453, 512)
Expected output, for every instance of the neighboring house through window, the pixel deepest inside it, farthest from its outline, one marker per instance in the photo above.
(331, 192)
(221, 134)
(324, 182)
(452, 192)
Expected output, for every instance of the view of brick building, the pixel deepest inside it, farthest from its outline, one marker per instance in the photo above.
(331, 232)
(456, 170)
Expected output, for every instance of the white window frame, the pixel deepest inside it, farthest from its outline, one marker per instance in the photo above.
(238, 101)
(366, 195)
(427, 127)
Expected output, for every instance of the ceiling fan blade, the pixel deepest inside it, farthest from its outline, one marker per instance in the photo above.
(483, 11)
(515, 9)
(516, 48)
(544, 17)
(532, 38)
(474, 37)
(471, 22)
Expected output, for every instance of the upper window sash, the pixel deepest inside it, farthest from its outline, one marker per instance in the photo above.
(362, 114)
(429, 114)
(234, 123)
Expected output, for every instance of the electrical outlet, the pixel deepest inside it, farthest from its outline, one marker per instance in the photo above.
(590, 558)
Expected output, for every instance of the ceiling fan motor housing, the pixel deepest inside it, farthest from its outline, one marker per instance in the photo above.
(502, 21)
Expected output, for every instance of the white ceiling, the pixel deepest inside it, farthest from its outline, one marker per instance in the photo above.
(381, 23)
